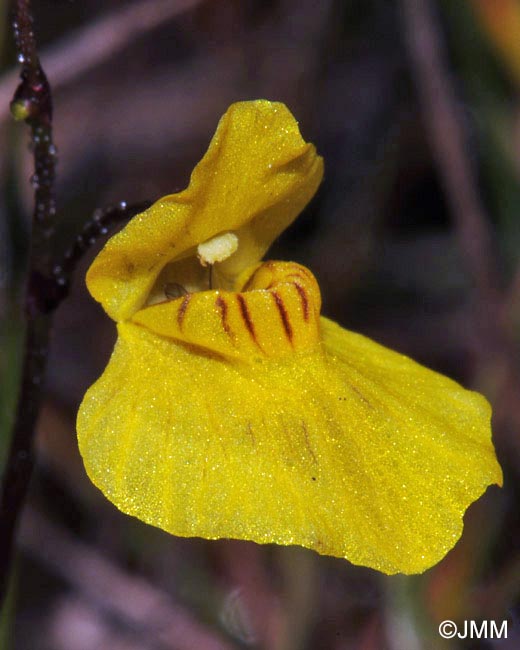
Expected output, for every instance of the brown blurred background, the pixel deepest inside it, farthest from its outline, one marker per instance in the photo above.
(414, 237)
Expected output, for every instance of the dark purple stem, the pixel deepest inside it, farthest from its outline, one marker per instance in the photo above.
(48, 278)
(32, 102)
(99, 225)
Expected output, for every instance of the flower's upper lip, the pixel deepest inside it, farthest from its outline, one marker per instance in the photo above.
(255, 178)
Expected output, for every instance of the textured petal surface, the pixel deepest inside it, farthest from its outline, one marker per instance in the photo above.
(344, 447)
(256, 177)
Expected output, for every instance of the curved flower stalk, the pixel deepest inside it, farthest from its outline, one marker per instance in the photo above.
(230, 408)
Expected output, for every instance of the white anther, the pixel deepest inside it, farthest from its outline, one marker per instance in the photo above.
(217, 249)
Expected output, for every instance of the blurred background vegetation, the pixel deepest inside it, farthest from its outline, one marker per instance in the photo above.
(414, 237)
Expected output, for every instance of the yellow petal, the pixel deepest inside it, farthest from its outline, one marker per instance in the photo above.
(346, 448)
(256, 177)
(276, 314)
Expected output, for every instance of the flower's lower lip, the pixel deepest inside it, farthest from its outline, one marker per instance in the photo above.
(343, 449)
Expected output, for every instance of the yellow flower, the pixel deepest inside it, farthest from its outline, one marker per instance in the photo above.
(230, 408)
